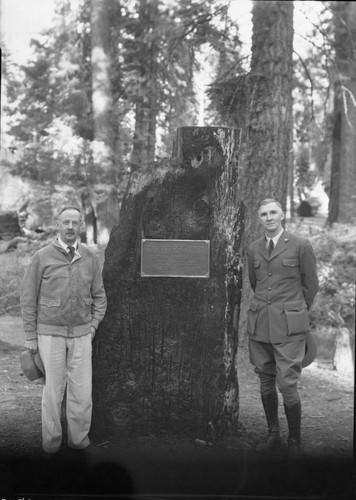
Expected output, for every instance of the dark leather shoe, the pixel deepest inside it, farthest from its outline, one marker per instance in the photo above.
(50, 457)
(92, 450)
(294, 448)
(272, 443)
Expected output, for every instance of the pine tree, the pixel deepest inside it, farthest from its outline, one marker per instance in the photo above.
(343, 170)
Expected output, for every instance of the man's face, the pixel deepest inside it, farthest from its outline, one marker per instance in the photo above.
(68, 225)
(271, 217)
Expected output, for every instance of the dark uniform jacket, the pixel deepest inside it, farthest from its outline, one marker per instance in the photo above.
(284, 286)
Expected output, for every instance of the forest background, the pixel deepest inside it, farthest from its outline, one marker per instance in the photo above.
(108, 84)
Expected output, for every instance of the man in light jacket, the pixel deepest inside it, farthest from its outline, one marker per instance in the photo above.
(63, 301)
(282, 273)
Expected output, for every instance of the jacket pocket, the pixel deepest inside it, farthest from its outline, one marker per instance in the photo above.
(50, 311)
(297, 317)
(290, 268)
(252, 315)
(88, 301)
(46, 301)
(291, 262)
(84, 309)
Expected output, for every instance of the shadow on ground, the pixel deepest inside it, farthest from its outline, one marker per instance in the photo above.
(155, 475)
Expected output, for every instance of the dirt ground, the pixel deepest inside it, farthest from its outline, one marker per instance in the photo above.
(168, 466)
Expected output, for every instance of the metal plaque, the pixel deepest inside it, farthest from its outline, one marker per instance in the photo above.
(175, 258)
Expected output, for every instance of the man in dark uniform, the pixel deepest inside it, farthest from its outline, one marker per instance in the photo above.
(282, 273)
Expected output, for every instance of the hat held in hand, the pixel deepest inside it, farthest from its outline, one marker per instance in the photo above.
(31, 364)
(310, 350)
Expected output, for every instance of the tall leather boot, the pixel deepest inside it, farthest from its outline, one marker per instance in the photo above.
(294, 417)
(270, 406)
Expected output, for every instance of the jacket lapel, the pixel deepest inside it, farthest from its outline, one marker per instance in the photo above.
(263, 248)
(59, 247)
(281, 245)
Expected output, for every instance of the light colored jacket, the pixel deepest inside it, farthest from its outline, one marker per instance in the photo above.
(284, 286)
(59, 297)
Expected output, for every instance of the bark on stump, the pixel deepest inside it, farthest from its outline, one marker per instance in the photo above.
(9, 225)
(164, 357)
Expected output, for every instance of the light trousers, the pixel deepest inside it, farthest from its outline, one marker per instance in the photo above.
(67, 362)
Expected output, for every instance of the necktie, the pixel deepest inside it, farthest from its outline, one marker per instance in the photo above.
(270, 247)
(71, 252)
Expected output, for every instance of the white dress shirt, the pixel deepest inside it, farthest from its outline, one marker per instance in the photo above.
(66, 247)
(274, 239)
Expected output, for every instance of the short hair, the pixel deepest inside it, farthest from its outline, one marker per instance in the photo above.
(69, 207)
(266, 201)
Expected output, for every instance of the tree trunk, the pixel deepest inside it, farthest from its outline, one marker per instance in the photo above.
(144, 142)
(139, 146)
(139, 152)
(90, 217)
(333, 208)
(153, 85)
(101, 86)
(266, 118)
(269, 117)
(152, 122)
(342, 206)
(165, 355)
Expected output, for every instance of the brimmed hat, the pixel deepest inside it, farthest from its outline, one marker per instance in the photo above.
(31, 364)
(310, 350)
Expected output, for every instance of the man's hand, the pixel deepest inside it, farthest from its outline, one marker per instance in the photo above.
(92, 331)
(32, 345)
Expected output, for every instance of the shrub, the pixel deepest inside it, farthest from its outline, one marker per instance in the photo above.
(334, 304)
(336, 258)
(13, 266)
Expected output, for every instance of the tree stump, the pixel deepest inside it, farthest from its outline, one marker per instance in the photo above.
(9, 226)
(343, 360)
(164, 358)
